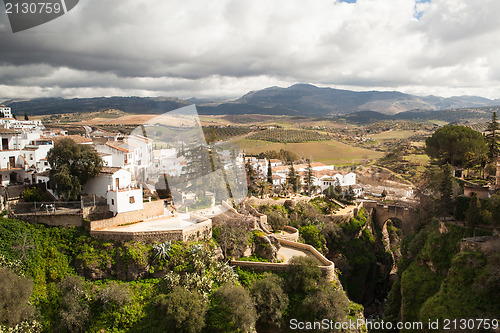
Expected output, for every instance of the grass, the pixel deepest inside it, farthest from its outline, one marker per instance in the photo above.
(330, 151)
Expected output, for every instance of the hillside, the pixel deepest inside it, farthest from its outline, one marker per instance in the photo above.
(296, 100)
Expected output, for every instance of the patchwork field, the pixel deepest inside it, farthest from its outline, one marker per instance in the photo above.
(331, 151)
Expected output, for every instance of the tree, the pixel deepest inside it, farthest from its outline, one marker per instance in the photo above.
(269, 173)
(325, 302)
(15, 293)
(451, 144)
(312, 236)
(384, 193)
(446, 189)
(492, 138)
(264, 188)
(309, 177)
(473, 216)
(270, 300)
(72, 165)
(303, 274)
(349, 194)
(26, 116)
(74, 308)
(252, 178)
(276, 220)
(184, 311)
(231, 310)
(293, 178)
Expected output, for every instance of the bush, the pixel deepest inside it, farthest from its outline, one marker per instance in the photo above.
(303, 274)
(15, 293)
(74, 309)
(312, 236)
(32, 194)
(184, 311)
(231, 310)
(326, 302)
(270, 299)
(276, 221)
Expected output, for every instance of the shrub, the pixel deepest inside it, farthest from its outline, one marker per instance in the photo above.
(312, 236)
(270, 299)
(15, 293)
(184, 311)
(276, 221)
(32, 194)
(303, 274)
(231, 309)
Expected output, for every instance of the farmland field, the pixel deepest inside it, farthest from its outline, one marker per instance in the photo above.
(393, 135)
(319, 151)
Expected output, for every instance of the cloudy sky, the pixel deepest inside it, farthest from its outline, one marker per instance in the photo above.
(200, 48)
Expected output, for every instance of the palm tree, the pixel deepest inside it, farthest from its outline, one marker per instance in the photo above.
(264, 187)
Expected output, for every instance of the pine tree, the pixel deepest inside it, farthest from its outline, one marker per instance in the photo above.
(26, 116)
(492, 137)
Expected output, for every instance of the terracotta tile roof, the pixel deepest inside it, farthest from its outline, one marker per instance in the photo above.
(8, 130)
(109, 170)
(117, 147)
(76, 138)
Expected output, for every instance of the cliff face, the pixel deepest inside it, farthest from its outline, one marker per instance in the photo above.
(358, 249)
(440, 278)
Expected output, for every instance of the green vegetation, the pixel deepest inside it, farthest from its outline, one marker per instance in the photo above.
(222, 133)
(327, 152)
(288, 135)
(456, 145)
(72, 165)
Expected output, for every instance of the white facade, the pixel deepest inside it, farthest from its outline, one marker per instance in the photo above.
(116, 186)
(343, 180)
(6, 111)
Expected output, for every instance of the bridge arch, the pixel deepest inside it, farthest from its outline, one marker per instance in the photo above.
(382, 212)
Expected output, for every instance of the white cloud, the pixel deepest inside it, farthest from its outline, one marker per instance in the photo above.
(228, 47)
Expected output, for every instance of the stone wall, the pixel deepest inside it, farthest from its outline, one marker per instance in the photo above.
(291, 234)
(327, 267)
(54, 220)
(151, 209)
(197, 232)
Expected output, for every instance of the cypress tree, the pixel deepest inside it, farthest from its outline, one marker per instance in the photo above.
(269, 173)
(492, 137)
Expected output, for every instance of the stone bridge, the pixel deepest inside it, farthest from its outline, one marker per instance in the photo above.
(383, 211)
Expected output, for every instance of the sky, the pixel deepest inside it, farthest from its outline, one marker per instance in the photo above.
(225, 48)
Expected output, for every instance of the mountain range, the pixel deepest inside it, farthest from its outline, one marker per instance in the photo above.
(298, 99)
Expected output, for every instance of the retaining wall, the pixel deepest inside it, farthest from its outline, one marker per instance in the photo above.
(151, 209)
(197, 232)
(327, 267)
(54, 220)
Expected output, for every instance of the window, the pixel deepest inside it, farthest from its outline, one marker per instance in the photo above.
(112, 202)
(131, 200)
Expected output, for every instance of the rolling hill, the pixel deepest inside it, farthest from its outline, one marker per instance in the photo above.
(296, 100)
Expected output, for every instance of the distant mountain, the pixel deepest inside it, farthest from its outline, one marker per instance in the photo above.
(299, 99)
(309, 100)
(139, 105)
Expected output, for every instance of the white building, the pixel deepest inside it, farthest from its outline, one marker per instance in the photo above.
(6, 111)
(115, 184)
(343, 179)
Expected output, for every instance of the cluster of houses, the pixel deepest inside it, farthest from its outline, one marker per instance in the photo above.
(324, 175)
(126, 158)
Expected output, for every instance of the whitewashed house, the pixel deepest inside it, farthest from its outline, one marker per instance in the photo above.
(116, 186)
